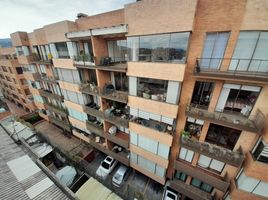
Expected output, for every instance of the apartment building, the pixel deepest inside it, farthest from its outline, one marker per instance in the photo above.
(13, 83)
(177, 90)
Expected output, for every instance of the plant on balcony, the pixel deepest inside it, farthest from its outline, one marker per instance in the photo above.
(186, 134)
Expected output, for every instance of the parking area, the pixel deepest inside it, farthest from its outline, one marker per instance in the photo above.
(136, 184)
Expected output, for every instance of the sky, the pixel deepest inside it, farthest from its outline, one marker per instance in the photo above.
(27, 15)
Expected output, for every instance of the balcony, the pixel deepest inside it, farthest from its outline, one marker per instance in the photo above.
(151, 130)
(189, 190)
(81, 136)
(252, 124)
(94, 128)
(234, 158)
(91, 110)
(57, 109)
(115, 64)
(113, 95)
(61, 123)
(38, 60)
(207, 177)
(120, 138)
(84, 61)
(121, 120)
(253, 69)
(45, 78)
(99, 143)
(49, 94)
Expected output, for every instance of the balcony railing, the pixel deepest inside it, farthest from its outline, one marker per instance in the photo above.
(234, 158)
(122, 139)
(61, 123)
(248, 69)
(84, 59)
(253, 124)
(57, 109)
(189, 190)
(155, 125)
(117, 64)
(95, 128)
(114, 95)
(92, 111)
(48, 93)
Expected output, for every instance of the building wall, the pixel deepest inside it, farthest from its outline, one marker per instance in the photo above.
(160, 16)
(102, 20)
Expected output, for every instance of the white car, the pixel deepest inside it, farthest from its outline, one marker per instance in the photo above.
(120, 175)
(106, 167)
(170, 194)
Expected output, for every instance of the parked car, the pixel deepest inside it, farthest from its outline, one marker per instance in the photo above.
(170, 194)
(120, 175)
(106, 167)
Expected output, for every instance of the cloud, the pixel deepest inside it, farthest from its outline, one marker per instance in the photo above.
(27, 15)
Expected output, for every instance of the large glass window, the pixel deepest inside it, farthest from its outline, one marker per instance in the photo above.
(252, 185)
(203, 186)
(222, 136)
(69, 75)
(62, 50)
(214, 48)
(181, 176)
(152, 88)
(237, 98)
(159, 48)
(117, 50)
(202, 93)
(251, 52)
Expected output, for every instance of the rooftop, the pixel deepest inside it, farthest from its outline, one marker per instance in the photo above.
(20, 177)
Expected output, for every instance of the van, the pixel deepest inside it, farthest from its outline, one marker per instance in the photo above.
(120, 175)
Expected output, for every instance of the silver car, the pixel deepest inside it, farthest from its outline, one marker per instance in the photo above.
(119, 175)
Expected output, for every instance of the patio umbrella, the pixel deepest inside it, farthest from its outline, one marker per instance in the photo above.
(66, 175)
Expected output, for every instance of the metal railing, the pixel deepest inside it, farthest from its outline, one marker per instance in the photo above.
(234, 158)
(233, 66)
(84, 58)
(254, 123)
(111, 94)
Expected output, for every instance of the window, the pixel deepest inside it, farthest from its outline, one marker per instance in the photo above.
(120, 81)
(68, 75)
(19, 70)
(150, 145)
(77, 115)
(194, 126)
(260, 151)
(186, 154)
(155, 89)
(238, 98)
(222, 136)
(74, 97)
(62, 50)
(203, 186)
(117, 50)
(210, 163)
(159, 48)
(251, 52)
(181, 176)
(214, 48)
(252, 185)
(202, 93)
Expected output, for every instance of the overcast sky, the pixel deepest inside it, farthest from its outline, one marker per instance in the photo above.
(27, 15)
